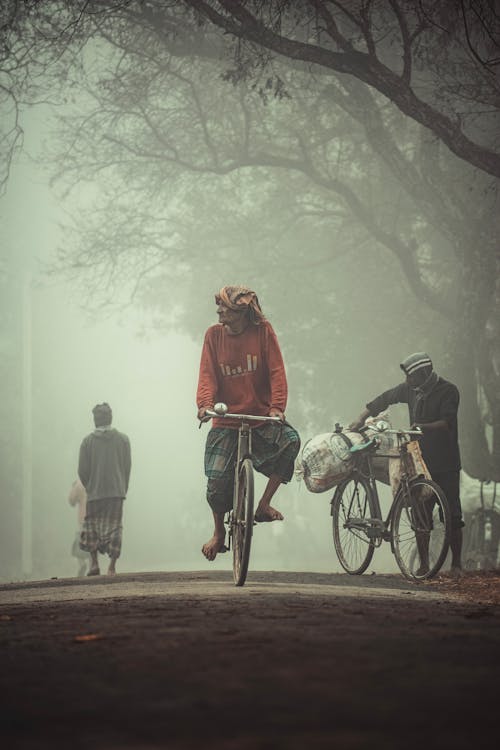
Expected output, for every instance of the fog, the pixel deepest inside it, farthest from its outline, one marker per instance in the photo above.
(350, 284)
(73, 360)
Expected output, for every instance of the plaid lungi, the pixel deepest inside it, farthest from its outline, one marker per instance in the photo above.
(274, 449)
(102, 527)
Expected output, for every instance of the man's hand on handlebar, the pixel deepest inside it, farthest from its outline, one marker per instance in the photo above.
(354, 426)
(360, 421)
(275, 412)
(202, 414)
(205, 413)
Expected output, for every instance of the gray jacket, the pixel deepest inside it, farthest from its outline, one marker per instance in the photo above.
(104, 464)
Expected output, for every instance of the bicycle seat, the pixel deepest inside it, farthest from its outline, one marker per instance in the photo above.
(363, 447)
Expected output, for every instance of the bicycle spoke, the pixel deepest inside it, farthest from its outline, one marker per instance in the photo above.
(242, 523)
(420, 529)
(351, 512)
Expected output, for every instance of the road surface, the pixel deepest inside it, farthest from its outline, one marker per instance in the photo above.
(290, 661)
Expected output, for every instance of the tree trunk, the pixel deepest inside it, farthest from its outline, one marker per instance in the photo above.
(471, 360)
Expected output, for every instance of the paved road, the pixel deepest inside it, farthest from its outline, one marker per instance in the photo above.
(214, 585)
(291, 660)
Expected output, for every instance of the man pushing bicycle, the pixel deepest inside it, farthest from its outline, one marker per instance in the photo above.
(242, 366)
(432, 406)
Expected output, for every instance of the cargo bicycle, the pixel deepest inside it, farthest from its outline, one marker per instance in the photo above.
(240, 519)
(417, 525)
(482, 537)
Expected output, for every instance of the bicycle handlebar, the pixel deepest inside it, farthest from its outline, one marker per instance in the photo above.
(418, 432)
(251, 417)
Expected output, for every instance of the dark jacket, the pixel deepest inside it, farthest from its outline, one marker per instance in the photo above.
(104, 464)
(439, 447)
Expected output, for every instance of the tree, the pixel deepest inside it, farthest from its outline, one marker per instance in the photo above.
(159, 117)
(397, 47)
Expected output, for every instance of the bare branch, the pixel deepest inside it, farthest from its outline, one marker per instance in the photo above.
(242, 24)
(405, 36)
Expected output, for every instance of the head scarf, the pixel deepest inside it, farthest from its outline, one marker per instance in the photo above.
(103, 415)
(239, 298)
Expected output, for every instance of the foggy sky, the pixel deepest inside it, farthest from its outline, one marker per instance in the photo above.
(150, 383)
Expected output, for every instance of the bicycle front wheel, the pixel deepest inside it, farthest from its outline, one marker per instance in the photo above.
(351, 511)
(242, 523)
(421, 526)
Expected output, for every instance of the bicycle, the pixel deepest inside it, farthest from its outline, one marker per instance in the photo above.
(240, 519)
(418, 522)
(482, 534)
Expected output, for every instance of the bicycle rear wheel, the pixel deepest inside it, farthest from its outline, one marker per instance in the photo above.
(421, 524)
(480, 548)
(351, 509)
(242, 523)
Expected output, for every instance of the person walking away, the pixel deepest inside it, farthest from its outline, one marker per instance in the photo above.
(104, 470)
(242, 366)
(433, 406)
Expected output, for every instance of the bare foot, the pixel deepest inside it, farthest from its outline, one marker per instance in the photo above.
(213, 546)
(111, 571)
(94, 572)
(263, 514)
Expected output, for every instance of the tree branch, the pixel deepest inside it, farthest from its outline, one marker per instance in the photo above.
(239, 22)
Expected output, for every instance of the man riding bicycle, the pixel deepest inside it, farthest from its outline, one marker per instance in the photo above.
(242, 366)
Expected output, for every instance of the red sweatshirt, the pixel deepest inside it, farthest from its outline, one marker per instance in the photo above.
(245, 371)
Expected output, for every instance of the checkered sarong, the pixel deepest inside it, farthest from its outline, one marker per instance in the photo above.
(274, 449)
(102, 527)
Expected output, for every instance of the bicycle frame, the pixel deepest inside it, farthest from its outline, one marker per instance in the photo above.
(482, 538)
(244, 448)
(481, 494)
(358, 524)
(376, 528)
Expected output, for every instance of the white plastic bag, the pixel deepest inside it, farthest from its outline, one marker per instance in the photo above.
(326, 460)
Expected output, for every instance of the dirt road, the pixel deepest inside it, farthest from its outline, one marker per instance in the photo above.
(186, 660)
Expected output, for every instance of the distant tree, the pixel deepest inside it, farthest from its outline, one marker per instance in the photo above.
(162, 118)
